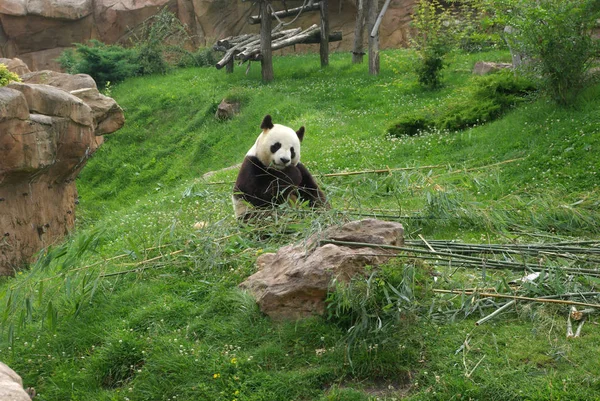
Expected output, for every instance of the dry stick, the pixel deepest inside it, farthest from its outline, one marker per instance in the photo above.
(380, 171)
(519, 298)
(387, 170)
(495, 313)
(140, 263)
(104, 261)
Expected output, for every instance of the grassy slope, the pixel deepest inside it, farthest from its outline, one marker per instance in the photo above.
(181, 330)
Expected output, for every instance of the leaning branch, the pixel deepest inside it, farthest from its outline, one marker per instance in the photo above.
(255, 19)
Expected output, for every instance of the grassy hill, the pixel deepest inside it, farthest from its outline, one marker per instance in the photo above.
(141, 304)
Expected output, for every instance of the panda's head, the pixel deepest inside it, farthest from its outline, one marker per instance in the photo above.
(277, 146)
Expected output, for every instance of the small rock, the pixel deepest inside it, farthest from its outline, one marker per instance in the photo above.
(486, 67)
(227, 110)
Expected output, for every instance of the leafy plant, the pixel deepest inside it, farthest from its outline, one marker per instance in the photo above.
(485, 100)
(555, 36)
(6, 76)
(433, 40)
(104, 63)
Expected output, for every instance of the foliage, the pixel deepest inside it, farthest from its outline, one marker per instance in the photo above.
(485, 100)
(478, 26)
(104, 63)
(555, 37)
(491, 96)
(154, 45)
(411, 125)
(160, 314)
(433, 40)
(6, 76)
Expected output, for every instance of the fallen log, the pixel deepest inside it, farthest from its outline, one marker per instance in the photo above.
(278, 43)
(247, 47)
(255, 19)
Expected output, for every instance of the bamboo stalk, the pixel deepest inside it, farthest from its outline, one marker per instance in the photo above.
(519, 298)
(496, 312)
(140, 263)
(380, 171)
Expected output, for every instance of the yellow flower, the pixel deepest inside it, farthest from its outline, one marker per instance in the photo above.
(216, 375)
(236, 392)
(234, 360)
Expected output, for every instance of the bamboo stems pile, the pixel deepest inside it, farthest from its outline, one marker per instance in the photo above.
(570, 257)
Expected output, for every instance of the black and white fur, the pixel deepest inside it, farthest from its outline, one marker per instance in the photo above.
(272, 174)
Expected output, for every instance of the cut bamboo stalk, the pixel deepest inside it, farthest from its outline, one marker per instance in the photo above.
(519, 298)
(495, 313)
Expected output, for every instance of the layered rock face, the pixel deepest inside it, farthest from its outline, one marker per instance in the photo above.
(50, 124)
(38, 31)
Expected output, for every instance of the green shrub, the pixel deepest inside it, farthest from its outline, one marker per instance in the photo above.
(6, 76)
(411, 125)
(432, 41)
(150, 59)
(556, 37)
(486, 100)
(478, 28)
(490, 97)
(104, 63)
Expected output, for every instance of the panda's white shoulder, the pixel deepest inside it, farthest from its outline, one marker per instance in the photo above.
(252, 151)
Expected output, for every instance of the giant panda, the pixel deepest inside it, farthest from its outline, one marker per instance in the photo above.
(271, 173)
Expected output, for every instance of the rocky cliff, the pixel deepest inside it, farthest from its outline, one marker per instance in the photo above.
(37, 31)
(50, 124)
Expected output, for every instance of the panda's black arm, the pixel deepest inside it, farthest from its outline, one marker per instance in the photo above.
(246, 184)
(309, 189)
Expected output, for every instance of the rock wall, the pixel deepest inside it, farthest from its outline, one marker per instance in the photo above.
(38, 31)
(50, 124)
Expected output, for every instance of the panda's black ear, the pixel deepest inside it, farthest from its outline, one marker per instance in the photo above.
(300, 133)
(267, 122)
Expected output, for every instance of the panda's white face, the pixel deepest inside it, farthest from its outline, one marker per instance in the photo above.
(278, 147)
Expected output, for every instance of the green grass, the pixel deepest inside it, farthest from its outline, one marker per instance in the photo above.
(92, 320)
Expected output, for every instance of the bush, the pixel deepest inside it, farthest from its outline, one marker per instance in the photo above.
(490, 97)
(411, 125)
(432, 41)
(486, 100)
(556, 37)
(104, 63)
(6, 76)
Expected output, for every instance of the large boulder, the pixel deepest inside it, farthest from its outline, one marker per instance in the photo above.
(47, 134)
(37, 31)
(293, 282)
(11, 385)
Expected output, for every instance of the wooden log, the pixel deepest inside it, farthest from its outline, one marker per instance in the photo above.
(230, 41)
(252, 41)
(324, 44)
(279, 43)
(266, 63)
(375, 29)
(373, 41)
(358, 50)
(256, 19)
(313, 37)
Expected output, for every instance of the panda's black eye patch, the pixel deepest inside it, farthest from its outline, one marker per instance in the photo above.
(275, 147)
(292, 152)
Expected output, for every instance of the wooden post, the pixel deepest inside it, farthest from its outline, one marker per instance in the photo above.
(266, 61)
(373, 40)
(229, 66)
(324, 48)
(358, 50)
